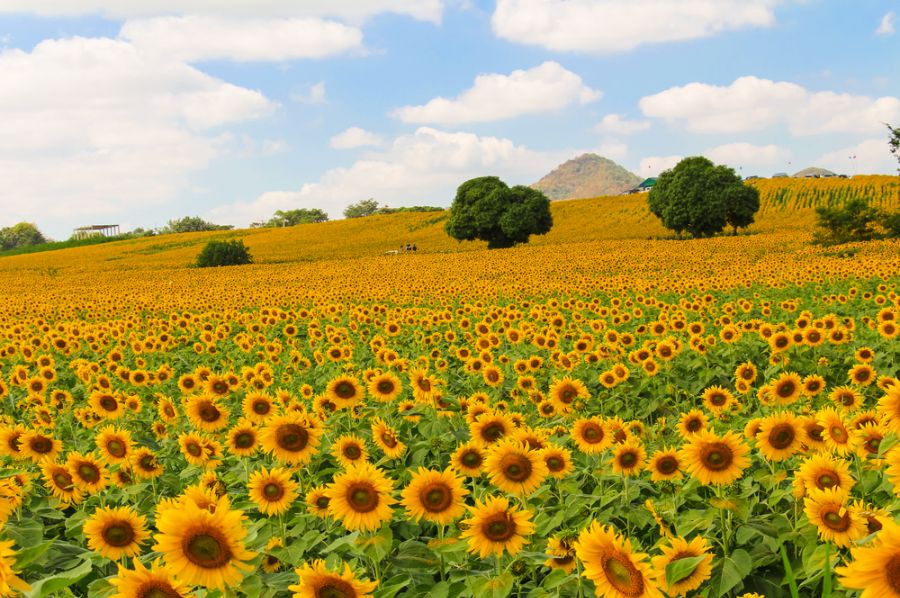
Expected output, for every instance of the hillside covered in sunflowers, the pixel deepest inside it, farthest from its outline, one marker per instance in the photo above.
(604, 411)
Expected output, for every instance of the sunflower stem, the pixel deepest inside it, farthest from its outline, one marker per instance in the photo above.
(789, 573)
(826, 579)
(441, 552)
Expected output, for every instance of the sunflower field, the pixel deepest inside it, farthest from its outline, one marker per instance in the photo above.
(621, 418)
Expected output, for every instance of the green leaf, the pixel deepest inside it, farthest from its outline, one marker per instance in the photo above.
(493, 587)
(349, 539)
(48, 585)
(735, 568)
(26, 556)
(680, 569)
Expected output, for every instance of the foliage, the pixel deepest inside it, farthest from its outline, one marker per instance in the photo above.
(700, 198)
(298, 216)
(191, 224)
(487, 209)
(403, 209)
(365, 207)
(224, 253)
(23, 234)
(855, 221)
(894, 141)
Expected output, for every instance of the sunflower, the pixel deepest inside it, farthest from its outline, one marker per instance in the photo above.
(88, 473)
(889, 408)
(360, 497)
(166, 410)
(386, 438)
(875, 568)
(558, 460)
(513, 468)
(40, 446)
(157, 581)
(692, 422)
(317, 500)
(206, 413)
(349, 449)
(563, 393)
(344, 391)
(106, 405)
(258, 407)
(821, 472)
(116, 532)
(10, 583)
(468, 459)
(435, 496)
(812, 433)
(273, 491)
(867, 439)
(846, 398)
(562, 553)
(243, 439)
(203, 547)
(715, 459)
(115, 444)
(717, 399)
(834, 521)
(11, 441)
(787, 388)
(779, 436)
(489, 428)
(628, 458)
(746, 372)
(591, 435)
(271, 563)
(145, 464)
(385, 387)
(317, 581)
(423, 385)
(495, 526)
(609, 562)
(813, 385)
(680, 548)
(862, 374)
(191, 446)
(665, 464)
(837, 436)
(59, 481)
(290, 438)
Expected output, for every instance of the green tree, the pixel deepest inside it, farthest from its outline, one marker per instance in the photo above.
(23, 234)
(894, 142)
(700, 198)
(224, 253)
(191, 224)
(854, 221)
(366, 207)
(486, 208)
(295, 217)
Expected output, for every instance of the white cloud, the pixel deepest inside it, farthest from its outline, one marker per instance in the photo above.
(93, 126)
(617, 125)
(886, 26)
(867, 157)
(354, 137)
(495, 97)
(613, 149)
(425, 10)
(424, 167)
(608, 26)
(198, 38)
(653, 165)
(746, 154)
(752, 104)
(315, 95)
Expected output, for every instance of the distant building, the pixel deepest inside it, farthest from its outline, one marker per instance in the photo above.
(96, 230)
(644, 186)
(814, 173)
(780, 175)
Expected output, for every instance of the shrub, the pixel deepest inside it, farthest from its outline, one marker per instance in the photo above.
(854, 221)
(224, 253)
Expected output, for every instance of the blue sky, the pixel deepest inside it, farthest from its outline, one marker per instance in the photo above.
(138, 111)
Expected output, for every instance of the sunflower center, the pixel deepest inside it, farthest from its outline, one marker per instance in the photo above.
(836, 522)
(667, 465)
(322, 502)
(847, 400)
(261, 407)
(193, 449)
(693, 425)
(717, 399)
(622, 575)
(826, 480)
(499, 528)
(362, 497)
(592, 433)
(385, 387)
(782, 436)
(785, 389)
(147, 462)
(352, 452)
(424, 385)
(169, 411)
(628, 459)
(291, 437)
(209, 413)
(243, 440)
(41, 445)
(273, 491)
(345, 390)
(63, 480)
(436, 498)
(116, 448)
(388, 439)
(471, 459)
(108, 403)
(157, 589)
(89, 472)
(567, 395)
(716, 456)
(555, 463)
(335, 588)
(516, 467)
(839, 434)
(207, 549)
(492, 432)
(118, 534)
(815, 432)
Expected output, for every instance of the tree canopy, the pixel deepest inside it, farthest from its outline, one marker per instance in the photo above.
(191, 224)
(19, 235)
(700, 198)
(488, 209)
(894, 142)
(298, 216)
(366, 207)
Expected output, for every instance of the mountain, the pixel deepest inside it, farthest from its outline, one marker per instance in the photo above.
(588, 175)
(813, 171)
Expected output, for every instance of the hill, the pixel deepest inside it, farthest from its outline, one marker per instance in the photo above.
(813, 171)
(588, 175)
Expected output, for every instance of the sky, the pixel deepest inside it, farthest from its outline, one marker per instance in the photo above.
(135, 112)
